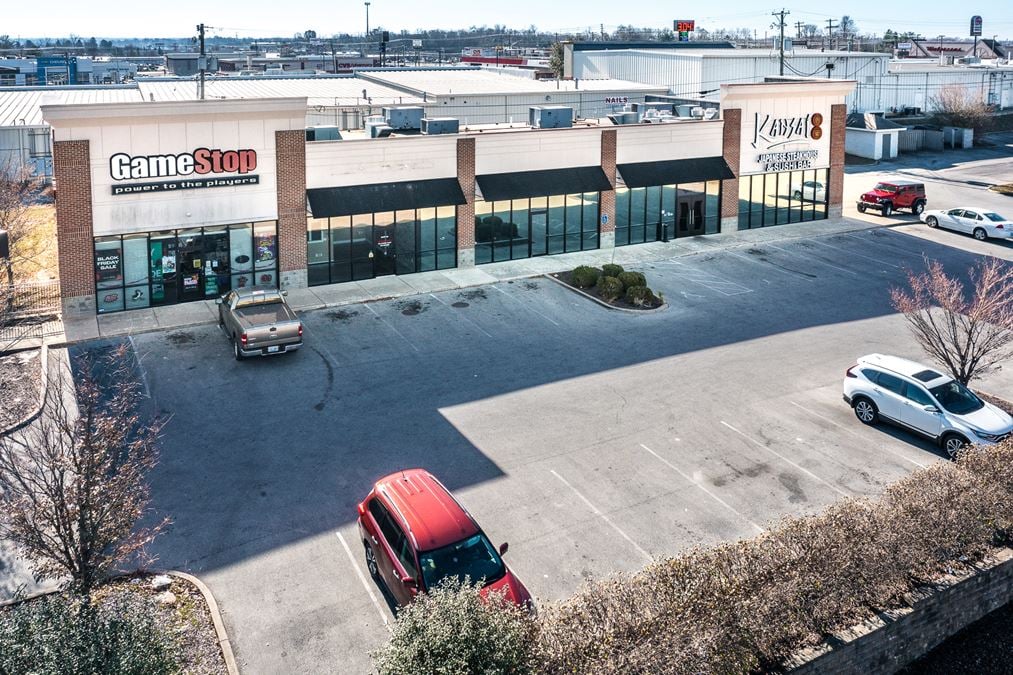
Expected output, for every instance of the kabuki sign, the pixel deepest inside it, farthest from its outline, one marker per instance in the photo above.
(200, 163)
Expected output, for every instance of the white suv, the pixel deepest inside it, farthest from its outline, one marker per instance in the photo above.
(923, 400)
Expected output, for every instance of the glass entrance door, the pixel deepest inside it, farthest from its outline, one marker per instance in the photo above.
(690, 213)
(191, 265)
(384, 253)
(162, 248)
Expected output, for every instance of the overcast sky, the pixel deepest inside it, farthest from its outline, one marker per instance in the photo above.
(263, 18)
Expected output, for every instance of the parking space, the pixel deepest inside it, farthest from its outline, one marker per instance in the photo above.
(591, 440)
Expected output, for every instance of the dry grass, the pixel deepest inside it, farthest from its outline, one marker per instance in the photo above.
(1005, 189)
(36, 251)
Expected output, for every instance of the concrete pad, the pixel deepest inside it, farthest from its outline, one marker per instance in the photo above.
(514, 269)
(125, 323)
(470, 277)
(82, 329)
(303, 298)
(185, 314)
(340, 294)
(385, 287)
(429, 282)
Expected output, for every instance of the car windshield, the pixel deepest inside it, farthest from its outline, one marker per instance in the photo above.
(995, 217)
(885, 187)
(956, 398)
(473, 557)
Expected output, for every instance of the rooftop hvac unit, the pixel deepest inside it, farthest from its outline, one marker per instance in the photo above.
(684, 110)
(550, 116)
(625, 117)
(405, 117)
(440, 125)
(380, 131)
(652, 105)
(323, 133)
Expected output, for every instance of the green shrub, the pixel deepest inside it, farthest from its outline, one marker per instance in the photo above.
(57, 635)
(609, 288)
(452, 629)
(639, 295)
(584, 276)
(631, 279)
(612, 270)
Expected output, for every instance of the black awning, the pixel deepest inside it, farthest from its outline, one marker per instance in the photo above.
(667, 172)
(501, 186)
(355, 199)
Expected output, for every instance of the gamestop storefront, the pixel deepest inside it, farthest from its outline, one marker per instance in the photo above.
(184, 197)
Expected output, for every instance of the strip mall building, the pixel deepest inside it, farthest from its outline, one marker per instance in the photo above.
(162, 203)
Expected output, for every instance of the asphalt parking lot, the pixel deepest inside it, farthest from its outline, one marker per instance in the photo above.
(591, 440)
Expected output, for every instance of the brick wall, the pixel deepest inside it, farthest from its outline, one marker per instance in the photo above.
(838, 120)
(731, 139)
(72, 176)
(466, 211)
(607, 205)
(897, 638)
(290, 160)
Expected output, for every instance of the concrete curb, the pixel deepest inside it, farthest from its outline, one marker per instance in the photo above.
(216, 619)
(43, 389)
(601, 302)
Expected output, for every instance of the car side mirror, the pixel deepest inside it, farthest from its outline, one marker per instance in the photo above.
(218, 301)
(503, 548)
(930, 409)
(284, 293)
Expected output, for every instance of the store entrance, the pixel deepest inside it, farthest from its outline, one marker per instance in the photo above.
(384, 253)
(689, 208)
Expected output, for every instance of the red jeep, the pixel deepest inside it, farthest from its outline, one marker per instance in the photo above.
(888, 196)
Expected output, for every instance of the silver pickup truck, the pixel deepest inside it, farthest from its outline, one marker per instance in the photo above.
(259, 322)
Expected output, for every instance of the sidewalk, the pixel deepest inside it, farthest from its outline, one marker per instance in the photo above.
(384, 288)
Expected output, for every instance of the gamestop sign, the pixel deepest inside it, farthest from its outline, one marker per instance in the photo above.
(185, 171)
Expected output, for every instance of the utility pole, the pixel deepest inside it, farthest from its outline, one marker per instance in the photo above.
(202, 62)
(367, 20)
(830, 32)
(780, 25)
(798, 29)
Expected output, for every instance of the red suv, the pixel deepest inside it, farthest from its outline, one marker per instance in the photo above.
(888, 196)
(416, 534)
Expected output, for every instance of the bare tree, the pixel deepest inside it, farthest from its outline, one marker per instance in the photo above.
(73, 485)
(18, 188)
(959, 106)
(969, 336)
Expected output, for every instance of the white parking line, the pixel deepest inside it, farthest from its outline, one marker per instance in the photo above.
(855, 433)
(705, 490)
(140, 366)
(391, 326)
(819, 260)
(530, 309)
(709, 280)
(462, 315)
(601, 515)
(775, 266)
(785, 459)
(365, 584)
(860, 255)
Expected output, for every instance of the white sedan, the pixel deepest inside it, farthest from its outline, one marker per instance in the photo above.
(982, 223)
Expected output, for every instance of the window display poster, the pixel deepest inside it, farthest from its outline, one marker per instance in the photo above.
(157, 290)
(265, 254)
(108, 265)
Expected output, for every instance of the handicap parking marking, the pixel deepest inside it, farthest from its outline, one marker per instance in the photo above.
(700, 485)
(855, 433)
(708, 280)
(594, 509)
(365, 584)
(785, 459)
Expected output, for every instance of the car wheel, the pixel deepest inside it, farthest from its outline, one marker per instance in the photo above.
(797, 195)
(888, 209)
(932, 221)
(861, 208)
(374, 570)
(953, 444)
(918, 208)
(866, 411)
(235, 350)
(980, 234)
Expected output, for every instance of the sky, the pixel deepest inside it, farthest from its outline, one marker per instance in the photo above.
(270, 18)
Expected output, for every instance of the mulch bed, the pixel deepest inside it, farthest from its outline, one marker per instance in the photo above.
(21, 377)
(187, 620)
(593, 291)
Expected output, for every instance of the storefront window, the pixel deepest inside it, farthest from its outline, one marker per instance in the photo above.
(446, 237)
(589, 225)
(712, 208)
(775, 199)
(163, 268)
(622, 216)
(483, 231)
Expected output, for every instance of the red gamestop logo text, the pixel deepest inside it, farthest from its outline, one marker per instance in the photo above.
(201, 161)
